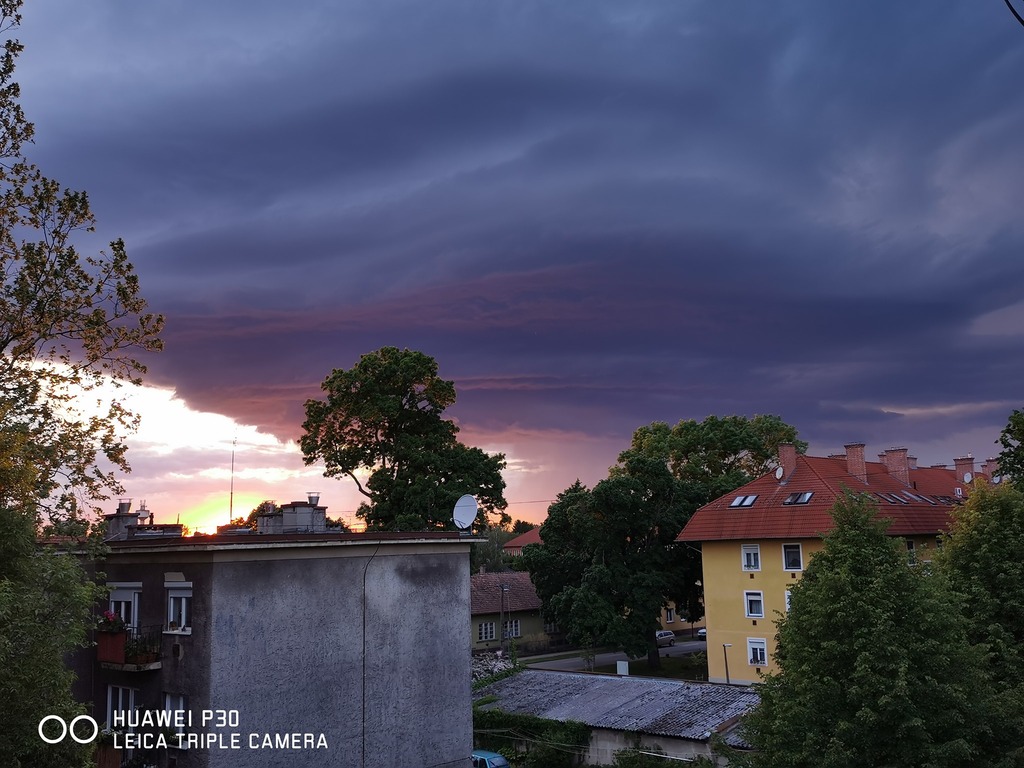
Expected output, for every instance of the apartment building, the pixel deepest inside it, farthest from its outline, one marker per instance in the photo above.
(757, 540)
(298, 646)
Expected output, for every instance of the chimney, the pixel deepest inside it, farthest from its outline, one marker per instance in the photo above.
(990, 468)
(855, 461)
(787, 458)
(912, 462)
(963, 465)
(895, 460)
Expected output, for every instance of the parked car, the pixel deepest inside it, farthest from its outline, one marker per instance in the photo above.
(484, 759)
(666, 637)
(702, 634)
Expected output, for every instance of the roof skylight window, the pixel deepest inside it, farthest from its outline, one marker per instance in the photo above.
(800, 497)
(743, 501)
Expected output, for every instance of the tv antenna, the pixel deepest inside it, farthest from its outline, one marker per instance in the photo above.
(231, 495)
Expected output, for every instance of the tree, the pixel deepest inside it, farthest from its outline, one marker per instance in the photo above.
(383, 418)
(609, 561)
(875, 668)
(717, 455)
(519, 527)
(981, 558)
(71, 326)
(1011, 459)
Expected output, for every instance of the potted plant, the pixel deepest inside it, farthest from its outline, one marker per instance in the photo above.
(111, 638)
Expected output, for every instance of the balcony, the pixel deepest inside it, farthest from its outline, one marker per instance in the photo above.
(135, 649)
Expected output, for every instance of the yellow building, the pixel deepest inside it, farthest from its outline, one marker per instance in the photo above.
(757, 540)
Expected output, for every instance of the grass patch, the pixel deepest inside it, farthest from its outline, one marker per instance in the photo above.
(692, 666)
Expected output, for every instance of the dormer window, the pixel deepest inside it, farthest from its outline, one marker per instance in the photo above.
(800, 497)
(743, 501)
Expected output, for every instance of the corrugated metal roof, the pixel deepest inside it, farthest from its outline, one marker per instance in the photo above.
(675, 708)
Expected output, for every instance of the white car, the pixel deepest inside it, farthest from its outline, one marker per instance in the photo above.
(666, 637)
(702, 634)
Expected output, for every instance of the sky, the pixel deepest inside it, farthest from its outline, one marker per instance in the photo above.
(594, 215)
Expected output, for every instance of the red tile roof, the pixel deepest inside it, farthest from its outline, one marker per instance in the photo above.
(929, 498)
(515, 546)
(485, 593)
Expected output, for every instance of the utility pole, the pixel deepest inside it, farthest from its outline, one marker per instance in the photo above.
(725, 655)
(501, 608)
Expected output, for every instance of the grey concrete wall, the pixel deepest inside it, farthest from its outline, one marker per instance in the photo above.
(287, 652)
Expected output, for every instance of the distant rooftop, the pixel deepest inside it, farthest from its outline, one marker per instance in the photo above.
(675, 708)
(486, 593)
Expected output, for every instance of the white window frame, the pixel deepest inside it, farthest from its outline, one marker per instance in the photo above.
(755, 595)
(485, 631)
(757, 652)
(511, 628)
(670, 616)
(125, 594)
(175, 702)
(750, 549)
(800, 553)
(179, 591)
(124, 695)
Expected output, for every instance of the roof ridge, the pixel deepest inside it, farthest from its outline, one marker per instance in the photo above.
(817, 474)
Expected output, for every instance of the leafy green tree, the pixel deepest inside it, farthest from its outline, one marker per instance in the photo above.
(981, 558)
(1011, 460)
(875, 668)
(714, 456)
(609, 561)
(71, 326)
(381, 425)
(46, 604)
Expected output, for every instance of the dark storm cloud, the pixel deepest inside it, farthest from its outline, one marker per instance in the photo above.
(592, 214)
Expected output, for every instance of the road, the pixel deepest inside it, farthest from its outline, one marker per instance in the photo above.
(577, 664)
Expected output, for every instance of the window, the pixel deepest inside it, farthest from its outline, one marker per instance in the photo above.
(789, 592)
(511, 628)
(792, 557)
(485, 631)
(751, 557)
(744, 501)
(757, 651)
(120, 702)
(551, 627)
(179, 606)
(800, 497)
(124, 601)
(754, 602)
(670, 616)
(174, 703)
(958, 491)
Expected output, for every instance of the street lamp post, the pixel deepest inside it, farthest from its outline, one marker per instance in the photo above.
(725, 655)
(501, 618)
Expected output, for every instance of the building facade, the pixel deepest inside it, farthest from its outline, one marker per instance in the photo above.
(507, 603)
(314, 648)
(757, 540)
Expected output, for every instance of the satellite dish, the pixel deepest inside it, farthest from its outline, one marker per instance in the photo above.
(968, 477)
(779, 472)
(464, 513)
(997, 479)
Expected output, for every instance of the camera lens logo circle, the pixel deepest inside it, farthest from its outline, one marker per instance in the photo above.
(68, 729)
